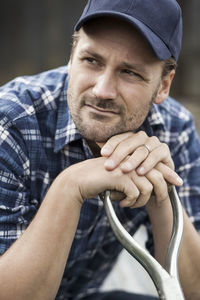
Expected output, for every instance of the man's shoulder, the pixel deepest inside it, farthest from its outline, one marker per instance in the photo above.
(49, 78)
(174, 113)
(26, 95)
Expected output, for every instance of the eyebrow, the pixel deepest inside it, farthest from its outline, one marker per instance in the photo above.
(91, 53)
(135, 67)
(126, 65)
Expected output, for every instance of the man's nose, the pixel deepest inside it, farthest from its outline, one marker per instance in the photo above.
(105, 86)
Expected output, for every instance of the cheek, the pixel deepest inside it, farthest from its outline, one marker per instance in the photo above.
(131, 98)
(137, 96)
(138, 105)
(80, 82)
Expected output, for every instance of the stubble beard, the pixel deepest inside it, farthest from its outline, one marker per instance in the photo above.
(97, 128)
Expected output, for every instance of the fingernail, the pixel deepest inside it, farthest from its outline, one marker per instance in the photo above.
(179, 180)
(106, 150)
(109, 163)
(141, 170)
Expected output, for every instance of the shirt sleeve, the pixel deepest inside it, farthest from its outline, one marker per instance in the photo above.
(187, 163)
(16, 209)
(184, 144)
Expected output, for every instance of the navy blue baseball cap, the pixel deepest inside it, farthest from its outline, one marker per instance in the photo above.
(160, 21)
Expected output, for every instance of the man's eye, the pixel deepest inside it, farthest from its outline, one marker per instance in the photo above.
(131, 73)
(91, 60)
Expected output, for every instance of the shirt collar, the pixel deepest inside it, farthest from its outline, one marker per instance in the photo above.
(66, 130)
(155, 117)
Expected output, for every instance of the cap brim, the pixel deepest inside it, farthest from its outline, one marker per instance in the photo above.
(158, 46)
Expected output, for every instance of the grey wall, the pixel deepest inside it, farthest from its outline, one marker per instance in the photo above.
(188, 81)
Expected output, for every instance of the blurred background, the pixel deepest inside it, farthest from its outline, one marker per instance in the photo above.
(36, 36)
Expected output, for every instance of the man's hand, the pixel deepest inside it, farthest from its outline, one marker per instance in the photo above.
(141, 153)
(147, 160)
(153, 169)
(90, 178)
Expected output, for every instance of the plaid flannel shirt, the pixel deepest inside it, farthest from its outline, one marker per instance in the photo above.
(38, 139)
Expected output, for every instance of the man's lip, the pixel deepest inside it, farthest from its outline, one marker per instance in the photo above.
(101, 110)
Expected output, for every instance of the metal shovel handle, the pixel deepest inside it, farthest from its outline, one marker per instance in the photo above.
(165, 280)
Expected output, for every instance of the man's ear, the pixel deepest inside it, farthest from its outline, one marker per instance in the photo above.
(164, 88)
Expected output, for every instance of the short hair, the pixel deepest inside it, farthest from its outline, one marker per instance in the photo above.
(168, 66)
(75, 38)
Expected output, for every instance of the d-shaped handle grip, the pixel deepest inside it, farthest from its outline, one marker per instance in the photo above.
(165, 280)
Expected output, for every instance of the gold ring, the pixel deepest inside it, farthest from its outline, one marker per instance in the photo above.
(147, 147)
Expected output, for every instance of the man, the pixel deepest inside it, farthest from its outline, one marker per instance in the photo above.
(106, 125)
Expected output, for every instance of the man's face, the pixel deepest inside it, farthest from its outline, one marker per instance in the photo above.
(113, 79)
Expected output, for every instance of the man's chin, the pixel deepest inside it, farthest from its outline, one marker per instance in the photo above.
(97, 135)
(98, 130)
(98, 138)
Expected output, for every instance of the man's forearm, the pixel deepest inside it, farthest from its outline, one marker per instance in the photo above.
(32, 268)
(161, 219)
(189, 269)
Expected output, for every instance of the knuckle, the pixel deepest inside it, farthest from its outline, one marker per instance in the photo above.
(126, 145)
(124, 136)
(165, 147)
(113, 139)
(116, 157)
(158, 177)
(155, 140)
(142, 150)
(141, 134)
(129, 134)
(136, 193)
(162, 193)
(154, 156)
(163, 197)
(147, 189)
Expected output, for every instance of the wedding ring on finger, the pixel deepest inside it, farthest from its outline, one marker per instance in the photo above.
(147, 147)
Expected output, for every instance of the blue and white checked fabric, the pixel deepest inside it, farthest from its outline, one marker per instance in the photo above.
(38, 139)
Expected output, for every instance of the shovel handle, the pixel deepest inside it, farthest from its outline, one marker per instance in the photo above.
(165, 280)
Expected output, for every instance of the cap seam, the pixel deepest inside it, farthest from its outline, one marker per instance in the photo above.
(88, 6)
(133, 4)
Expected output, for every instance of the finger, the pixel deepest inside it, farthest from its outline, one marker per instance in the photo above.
(159, 154)
(145, 187)
(131, 198)
(169, 175)
(109, 147)
(122, 187)
(140, 154)
(134, 160)
(117, 196)
(160, 186)
(123, 148)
